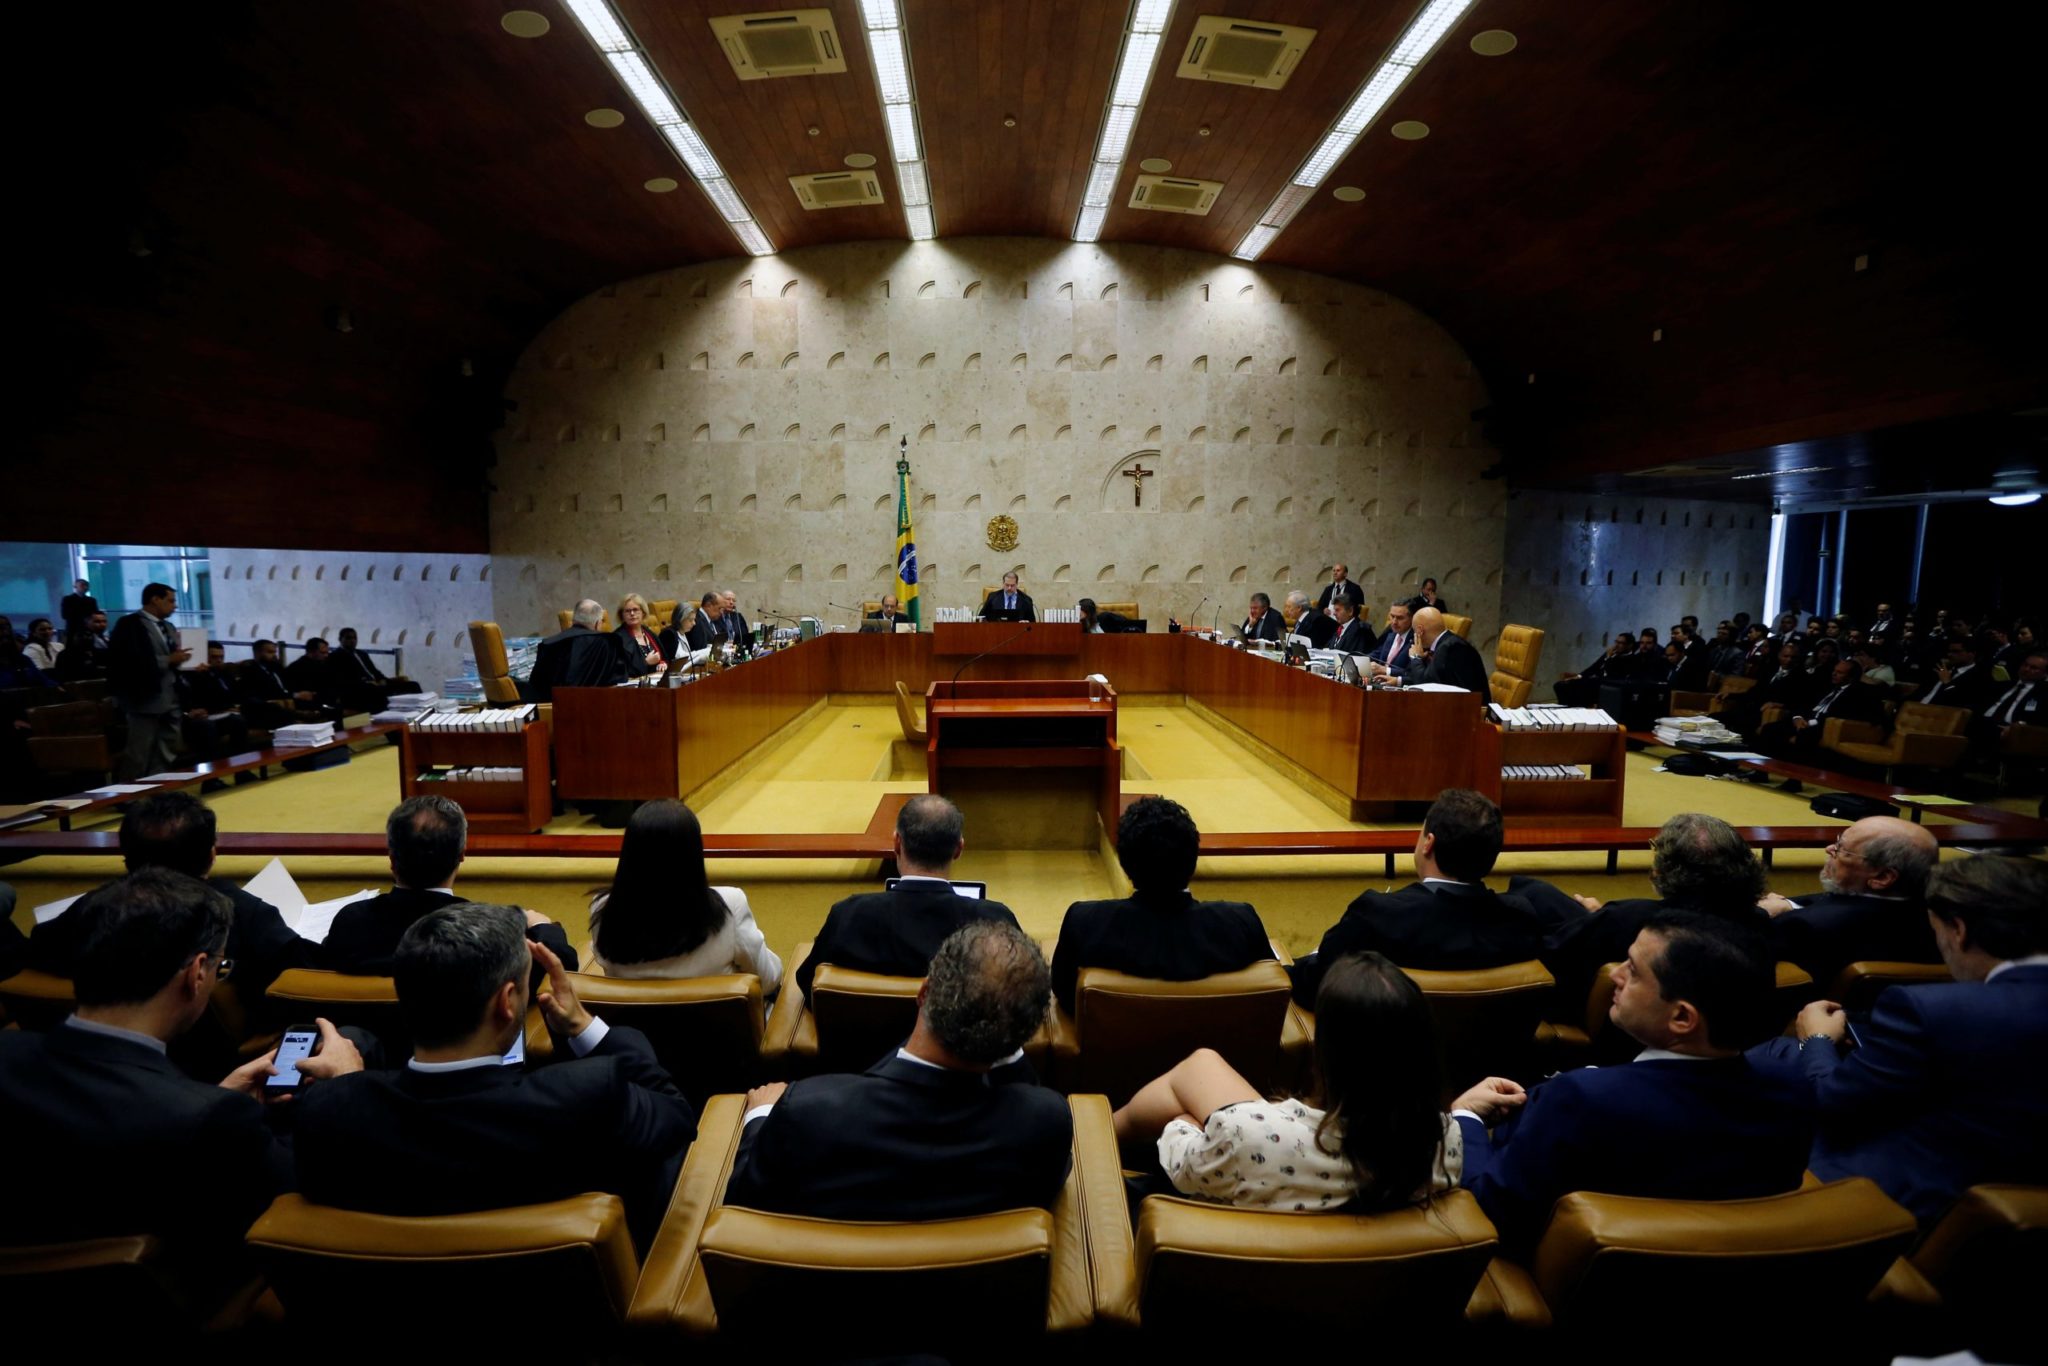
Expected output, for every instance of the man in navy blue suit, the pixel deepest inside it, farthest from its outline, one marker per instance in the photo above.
(1689, 1119)
(1946, 1088)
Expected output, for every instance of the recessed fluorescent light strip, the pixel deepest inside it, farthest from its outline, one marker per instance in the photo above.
(890, 48)
(609, 34)
(1142, 36)
(1410, 51)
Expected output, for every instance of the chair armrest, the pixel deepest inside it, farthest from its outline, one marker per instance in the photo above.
(784, 1020)
(1772, 711)
(1689, 703)
(1286, 959)
(672, 1290)
(1922, 750)
(1904, 1284)
(1835, 730)
(1094, 1274)
(1507, 1297)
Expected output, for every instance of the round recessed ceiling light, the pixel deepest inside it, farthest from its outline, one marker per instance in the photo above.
(1347, 194)
(1410, 130)
(860, 161)
(524, 23)
(661, 184)
(1009, 120)
(604, 118)
(1494, 42)
(1204, 131)
(1155, 165)
(814, 130)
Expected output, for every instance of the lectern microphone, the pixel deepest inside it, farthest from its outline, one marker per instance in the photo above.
(989, 651)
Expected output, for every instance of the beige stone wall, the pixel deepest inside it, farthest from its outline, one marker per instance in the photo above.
(736, 424)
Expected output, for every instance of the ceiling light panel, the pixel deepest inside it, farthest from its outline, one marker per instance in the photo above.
(1144, 31)
(889, 55)
(1424, 32)
(629, 62)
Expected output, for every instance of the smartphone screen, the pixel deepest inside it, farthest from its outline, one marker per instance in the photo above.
(298, 1044)
(977, 890)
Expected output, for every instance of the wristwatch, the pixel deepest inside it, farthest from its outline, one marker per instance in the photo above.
(1817, 1034)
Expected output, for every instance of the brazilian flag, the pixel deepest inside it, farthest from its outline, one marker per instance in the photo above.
(906, 543)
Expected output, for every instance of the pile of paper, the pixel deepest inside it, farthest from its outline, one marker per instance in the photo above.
(490, 719)
(1552, 717)
(1524, 773)
(1693, 732)
(406, 706)
(305, 735)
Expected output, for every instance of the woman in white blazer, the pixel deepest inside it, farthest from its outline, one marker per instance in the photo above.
(661, 917)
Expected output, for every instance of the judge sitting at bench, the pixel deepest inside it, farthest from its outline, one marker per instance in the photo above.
(1008, 604)
(886, 618)
(580, 657)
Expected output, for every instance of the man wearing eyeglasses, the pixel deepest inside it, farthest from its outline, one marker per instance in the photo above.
(108, 1136)
(1871, 904)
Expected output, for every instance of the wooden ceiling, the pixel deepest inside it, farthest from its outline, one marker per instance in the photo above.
(250, 170)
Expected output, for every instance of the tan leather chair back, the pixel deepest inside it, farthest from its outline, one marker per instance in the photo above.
(120, 1283)
(566, 617)
(1987, 1257)
(1209, 1268)
(36, 1000)
(493, 668)
(1131, 1029)
(983, 1279)
(1129, 609)
(369, 1003)
(1458, 626)
(659, 611)
(1516, 656)
(1923, 718)
(1858, 985)
(705, 1030)
(1485, 1020)
(860, 1016)
(1609, 1258)
(907, 714)
(573, 1256)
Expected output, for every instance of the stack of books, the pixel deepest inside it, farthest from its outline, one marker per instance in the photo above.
(1550, 716)
(474, 775)
(1694, 732)
(472, 722)
(303, 736)
(1524, 773)
(406, 706)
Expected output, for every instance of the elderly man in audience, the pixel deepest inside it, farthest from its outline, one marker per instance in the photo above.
(1697, 863)
(462, 1126)
(1870, 906)
(426, 837)
(1308, 622)
(1160, 930)
(1945, 1087)
(175, 831)
(1689, 1119)
(1582, 689)
(107, 1136)
(952, 1125)
(1446, 920)
(896, 932)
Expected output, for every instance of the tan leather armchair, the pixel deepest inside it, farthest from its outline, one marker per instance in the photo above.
(36, 1000)
(659, 611)
(1858, 985)
(1516, 656)
(369, 1003)
(1126, 1030)
(125, 1288)
(1206, 1270)
(566, 617)
(493, 668)
(1608, 1260)
(1486, 1020)
(1458, 626)
(850, 1019)
(1982, 1267)
(909, 715)
(705, 1030)
(1128, 609)
(72, 737)
(997, 1278)
(1923, 736)
(569, 1260)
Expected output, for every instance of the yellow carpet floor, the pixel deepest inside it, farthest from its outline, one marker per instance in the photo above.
(827, 772)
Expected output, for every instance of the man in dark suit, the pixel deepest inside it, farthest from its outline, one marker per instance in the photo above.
(1946, 1089)
(951, 1126)
(1697, 863)
(107, 1135)
(1789, 685)
(77, 608)
(1395, 650)
(362, 684)
(1960, 681)
(1341, 586)
(425, 837)
(1310, 624)
(1352, 636)
(176, 831)
(736, 625)
(213, 723)
(886, 619)
(1582, 689)
(269, 700)
(458, 1128)
(1442, 657)
(1447, 920)
(2023, 702)
(309, 674)
(1261, 622)
(1871, 906)
(141, 663)
(712, 628)
(1096, 622)
(1883, 625)
(1426, 596)
(582, 656)
(1160, 930)
(1008, 603)
(1689, 1119)
(1797, 734)
(896, 932)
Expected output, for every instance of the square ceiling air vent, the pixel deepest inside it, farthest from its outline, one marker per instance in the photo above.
(1172, 194)
(1243, 51)
(837, 189)
(796, 42)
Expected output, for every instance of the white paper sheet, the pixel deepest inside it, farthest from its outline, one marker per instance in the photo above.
(50, 910)
(276, 885)
(318, 918)
(118, 790)
(169, 777)
(193, 639)
(1433, 687)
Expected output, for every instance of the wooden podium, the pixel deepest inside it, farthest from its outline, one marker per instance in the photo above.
(1039, 756)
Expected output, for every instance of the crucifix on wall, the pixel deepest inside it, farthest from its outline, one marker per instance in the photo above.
(1138, 474)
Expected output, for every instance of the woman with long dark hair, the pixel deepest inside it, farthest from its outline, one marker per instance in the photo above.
(1373, 1136)
(661, 917)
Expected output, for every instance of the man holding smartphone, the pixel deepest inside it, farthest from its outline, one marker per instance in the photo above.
(112, 1138)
